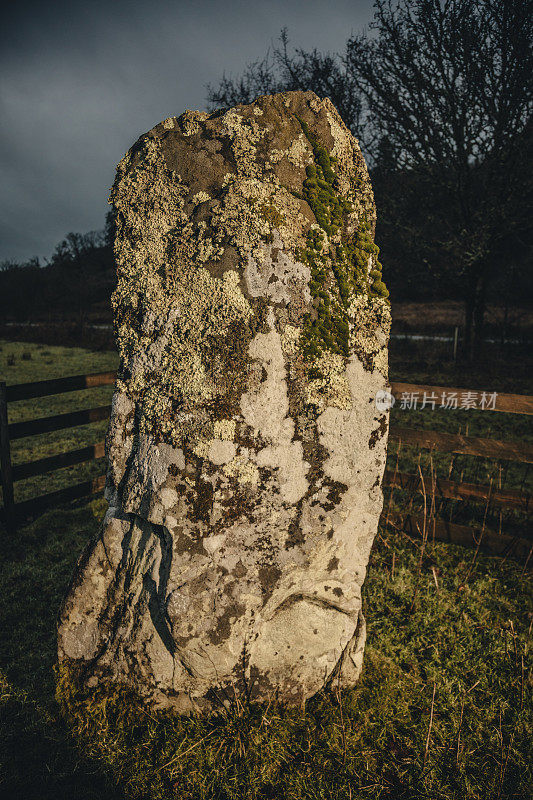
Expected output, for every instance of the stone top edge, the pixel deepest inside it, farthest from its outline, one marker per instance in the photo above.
(294, 101)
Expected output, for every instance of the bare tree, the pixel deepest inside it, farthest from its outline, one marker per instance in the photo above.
(449, 84)
(76, 245)
(441, 92)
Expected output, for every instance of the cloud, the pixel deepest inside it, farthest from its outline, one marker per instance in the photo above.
(81, 81)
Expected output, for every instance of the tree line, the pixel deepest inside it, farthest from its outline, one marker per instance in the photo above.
(79, 275)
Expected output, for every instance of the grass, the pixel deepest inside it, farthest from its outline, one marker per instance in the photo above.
(443, 708)
(38, 757)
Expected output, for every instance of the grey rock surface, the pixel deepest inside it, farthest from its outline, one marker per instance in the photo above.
(245, 451)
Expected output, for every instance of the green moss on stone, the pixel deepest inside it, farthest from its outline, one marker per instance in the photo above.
(341, 272)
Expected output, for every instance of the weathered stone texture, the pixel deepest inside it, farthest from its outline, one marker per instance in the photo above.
(245, 449)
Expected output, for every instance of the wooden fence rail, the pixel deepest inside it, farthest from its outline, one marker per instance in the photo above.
(512, 403)
(450, 490)
(26, 391)
(58, 422)
(13, 512)
(465, 445)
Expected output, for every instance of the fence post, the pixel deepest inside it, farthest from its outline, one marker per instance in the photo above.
(5, 463)
(455, 340)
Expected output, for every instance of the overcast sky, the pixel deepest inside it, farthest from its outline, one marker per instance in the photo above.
(81, 81)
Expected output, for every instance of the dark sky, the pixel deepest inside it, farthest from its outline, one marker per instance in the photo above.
(81, 81)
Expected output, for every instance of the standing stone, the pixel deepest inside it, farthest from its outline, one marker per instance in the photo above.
(245, 448)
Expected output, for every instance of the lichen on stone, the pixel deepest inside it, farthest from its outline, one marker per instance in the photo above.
(328, 385)
(224, 429)
(245, 451)
(243, 469)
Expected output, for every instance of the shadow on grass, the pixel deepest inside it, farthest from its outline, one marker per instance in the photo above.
(38, 757)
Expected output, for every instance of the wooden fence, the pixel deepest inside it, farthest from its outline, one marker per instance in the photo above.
(13, 513)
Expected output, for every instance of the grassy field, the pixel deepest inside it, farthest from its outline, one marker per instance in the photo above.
(443, 708)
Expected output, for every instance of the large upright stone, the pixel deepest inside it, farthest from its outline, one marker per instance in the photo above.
(245, 449)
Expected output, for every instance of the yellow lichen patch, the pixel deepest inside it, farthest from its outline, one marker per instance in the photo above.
(381, 362)
(201, 448)
(190, 122)
(246, 135)
(243, 469)
(289, 340)
(251, 206)
(160, 268)
(148, 203)
(369, 331)
(224, 429)
(208, 307)
(228, 178)
(344, 152)
(200, 197)
(238, 220)
(233, 295)
(276, 155)
(299, 153)
(329, 387)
